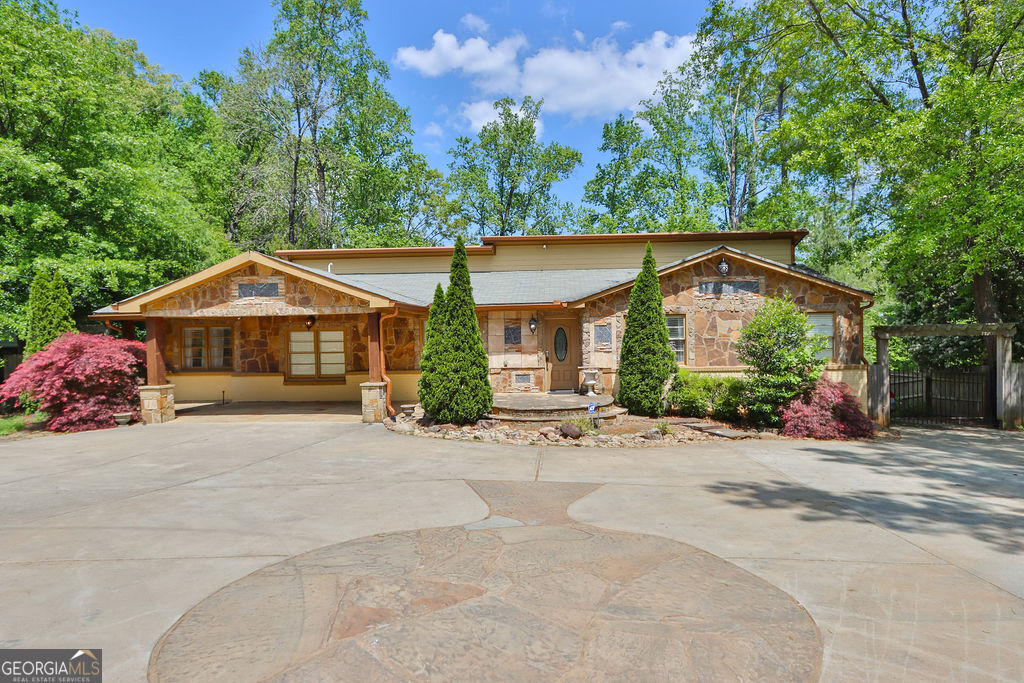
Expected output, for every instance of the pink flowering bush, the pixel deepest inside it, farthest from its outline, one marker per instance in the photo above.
(828, 411)
(80, 380)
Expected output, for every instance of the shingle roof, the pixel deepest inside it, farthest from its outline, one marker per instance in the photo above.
(512, 287)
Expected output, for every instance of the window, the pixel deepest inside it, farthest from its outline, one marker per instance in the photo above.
(603, 337)
(206, 347)
(729, 287)
(264, 289)
(824, 326)
(513, 334)
(316, 355)
(677, 335)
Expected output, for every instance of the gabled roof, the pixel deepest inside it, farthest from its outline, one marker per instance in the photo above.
(133, 305)
(515, 288)
(794, 270)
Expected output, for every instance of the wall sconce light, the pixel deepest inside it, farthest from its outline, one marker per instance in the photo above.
(310, 321)
(723, 266)
(533, 326)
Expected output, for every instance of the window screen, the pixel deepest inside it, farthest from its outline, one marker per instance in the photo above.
(266, 289)
(823, 325)
(603, 335)
(316, 354)
(729, 286)
(677, 335)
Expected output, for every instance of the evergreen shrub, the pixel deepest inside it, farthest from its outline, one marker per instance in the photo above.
(694, 395)
(49, 311)
(781, 353)
(646, 361)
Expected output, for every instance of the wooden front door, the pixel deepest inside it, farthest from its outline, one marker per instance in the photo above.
(562, 344)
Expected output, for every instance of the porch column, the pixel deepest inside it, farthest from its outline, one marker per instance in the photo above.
(156, 368)
(128, 329)
(1009, 385)
(373, 345)
(157, 396)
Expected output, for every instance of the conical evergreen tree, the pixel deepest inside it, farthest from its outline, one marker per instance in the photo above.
(49, 311)
(646, 361)
(432, 338)
(463, 389)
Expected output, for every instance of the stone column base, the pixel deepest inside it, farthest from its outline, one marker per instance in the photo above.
(374, 401)
(157, 403)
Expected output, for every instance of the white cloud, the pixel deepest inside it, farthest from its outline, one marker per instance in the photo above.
(492, 67)
(579, 36)
(620, 25)
(596, 79)
(433, 129)
(474, 23)
(601, 79)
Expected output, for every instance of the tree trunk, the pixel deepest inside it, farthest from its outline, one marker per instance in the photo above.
(986, 308)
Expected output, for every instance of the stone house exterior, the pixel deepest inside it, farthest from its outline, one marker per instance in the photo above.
(313, 325)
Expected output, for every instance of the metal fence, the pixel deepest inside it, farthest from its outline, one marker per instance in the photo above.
(943, 396)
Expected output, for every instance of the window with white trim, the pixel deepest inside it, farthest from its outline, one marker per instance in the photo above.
(823, 325)
(206, 348)
(316, 354)
(677, 335)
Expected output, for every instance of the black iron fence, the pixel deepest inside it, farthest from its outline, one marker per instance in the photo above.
(943, 396)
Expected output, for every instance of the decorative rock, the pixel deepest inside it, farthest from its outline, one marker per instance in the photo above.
(487, 423)
(402, 427)
(653, 434)
(548, 430)
(551, 436)
(569, 430)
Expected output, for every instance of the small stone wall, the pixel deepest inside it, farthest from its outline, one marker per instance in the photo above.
(157, 402)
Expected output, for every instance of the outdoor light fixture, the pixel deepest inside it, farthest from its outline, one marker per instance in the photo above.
(723, 266)
(310, 321)
(533, 326)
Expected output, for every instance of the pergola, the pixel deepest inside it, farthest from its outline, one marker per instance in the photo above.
(1009, 375)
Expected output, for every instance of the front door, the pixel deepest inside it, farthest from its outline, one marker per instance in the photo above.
(562, 345)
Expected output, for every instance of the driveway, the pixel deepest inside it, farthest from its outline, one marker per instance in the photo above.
(907, 554)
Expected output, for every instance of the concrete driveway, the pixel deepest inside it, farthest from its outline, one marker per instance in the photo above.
(908, 555)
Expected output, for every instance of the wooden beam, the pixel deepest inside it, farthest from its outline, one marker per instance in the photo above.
(373, 345)
(963, 330)
(156, 367)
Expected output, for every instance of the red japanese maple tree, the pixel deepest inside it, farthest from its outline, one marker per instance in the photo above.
(81, 380)
(828, 411)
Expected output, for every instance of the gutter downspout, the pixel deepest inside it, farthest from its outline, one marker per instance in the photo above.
(383, 367)
(111, 327)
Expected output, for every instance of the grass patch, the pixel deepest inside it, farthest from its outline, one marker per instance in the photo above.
(9, 425)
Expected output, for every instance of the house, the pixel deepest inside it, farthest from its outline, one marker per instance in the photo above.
(312, 325)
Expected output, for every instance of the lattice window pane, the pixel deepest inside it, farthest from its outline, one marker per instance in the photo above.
(677, 335)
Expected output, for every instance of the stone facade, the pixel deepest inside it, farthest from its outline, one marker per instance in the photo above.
(219, 297)
(714, 320)
(514, 367)
(157, 402)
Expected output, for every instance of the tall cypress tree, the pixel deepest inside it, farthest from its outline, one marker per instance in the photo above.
(432, 336)
(463, 391)
(49, 311)
(647, 360)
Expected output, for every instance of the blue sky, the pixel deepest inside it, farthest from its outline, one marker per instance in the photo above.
(450, 60)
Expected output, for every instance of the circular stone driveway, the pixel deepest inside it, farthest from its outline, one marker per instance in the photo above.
(525, 594)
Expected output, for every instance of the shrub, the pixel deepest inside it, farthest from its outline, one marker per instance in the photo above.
(828, 411)
(49, 311)
(461, 390)
(586, 425)
(432, 336)
(782, 354)
(646, 361)
(80, 380)
(707, 396)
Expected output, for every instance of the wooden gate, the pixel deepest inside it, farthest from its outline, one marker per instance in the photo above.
(944, 396)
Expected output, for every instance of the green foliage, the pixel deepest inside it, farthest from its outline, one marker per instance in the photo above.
(502, 181)
(49, 311)
(782, 354)
(433, 336)
(695, 395)
(458, 389)
(105, 169)
(664, 428)
(646, 361)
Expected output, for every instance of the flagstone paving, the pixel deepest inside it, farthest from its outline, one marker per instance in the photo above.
(531, 596)
(906, 554)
